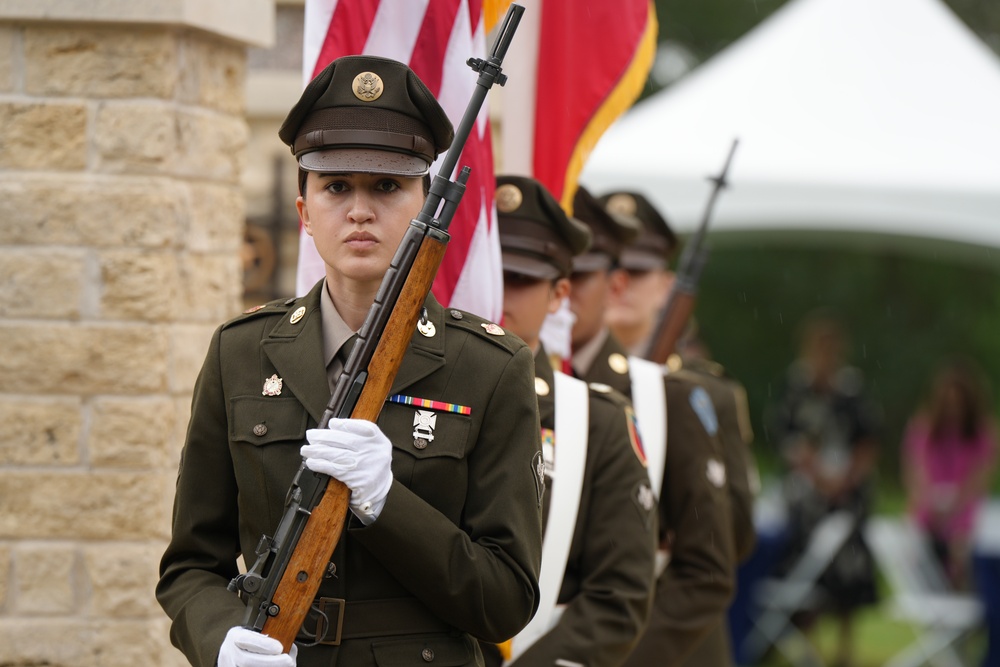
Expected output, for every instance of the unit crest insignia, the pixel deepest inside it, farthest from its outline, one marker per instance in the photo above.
(272, 385)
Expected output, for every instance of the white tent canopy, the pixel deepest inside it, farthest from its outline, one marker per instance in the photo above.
(855, 115)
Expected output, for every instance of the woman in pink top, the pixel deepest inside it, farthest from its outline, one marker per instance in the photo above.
(949, 451)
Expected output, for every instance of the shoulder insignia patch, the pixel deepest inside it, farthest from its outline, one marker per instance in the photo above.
(254, 309)
(600, 387)
(702, 406)
(549, 451)
(632, 424)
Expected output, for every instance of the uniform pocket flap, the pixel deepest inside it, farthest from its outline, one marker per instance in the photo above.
(439, 650)
(261, 421)
(425, 433)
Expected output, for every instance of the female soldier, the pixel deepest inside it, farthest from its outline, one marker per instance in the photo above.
(443, 541)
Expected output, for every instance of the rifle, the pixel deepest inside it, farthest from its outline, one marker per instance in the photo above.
(680, 302)
(281, 585)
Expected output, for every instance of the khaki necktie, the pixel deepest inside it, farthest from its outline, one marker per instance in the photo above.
(336, 365)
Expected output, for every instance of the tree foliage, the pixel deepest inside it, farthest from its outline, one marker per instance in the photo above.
(904, 312)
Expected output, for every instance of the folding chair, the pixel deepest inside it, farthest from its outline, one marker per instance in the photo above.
(780, 598)
(922, 595)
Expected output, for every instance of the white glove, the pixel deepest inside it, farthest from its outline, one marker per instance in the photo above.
(357, 453)
(246, 648)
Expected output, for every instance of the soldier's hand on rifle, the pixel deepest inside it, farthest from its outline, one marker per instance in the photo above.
(357, 453)
(246, 648)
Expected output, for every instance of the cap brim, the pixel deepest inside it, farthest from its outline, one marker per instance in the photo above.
(363, 161)
(529, 266)
(638, 260)
(592, 261)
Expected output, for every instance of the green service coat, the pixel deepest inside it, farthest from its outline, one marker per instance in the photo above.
(460, 532)
(608, 584)
(729, 399)
(694, 591)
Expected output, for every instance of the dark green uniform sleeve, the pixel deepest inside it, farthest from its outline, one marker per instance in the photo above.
(608, 584)
(738, 470)
(694, 591)
(491, 560)
(201, 557)
(737, 454)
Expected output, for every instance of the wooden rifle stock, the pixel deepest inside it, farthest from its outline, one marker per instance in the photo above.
(681, 301)
(295, 593)
(281, 585)
(676, 314)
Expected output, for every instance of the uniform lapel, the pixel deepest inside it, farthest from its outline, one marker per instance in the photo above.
(426, 353)
(296, 350)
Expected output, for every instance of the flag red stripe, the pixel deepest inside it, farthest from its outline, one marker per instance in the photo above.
(427, 59)
(565, 102)
(478, 156)
(348, 31)
(475, 11)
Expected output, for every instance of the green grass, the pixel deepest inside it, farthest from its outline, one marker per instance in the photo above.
(877, 636)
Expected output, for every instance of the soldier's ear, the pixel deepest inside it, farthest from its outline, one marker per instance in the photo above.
(560, 290)
(303, 209)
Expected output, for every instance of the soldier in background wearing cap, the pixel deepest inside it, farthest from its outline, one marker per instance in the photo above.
(639, 294)
(694, 589)
(443, 539)
(606, 587)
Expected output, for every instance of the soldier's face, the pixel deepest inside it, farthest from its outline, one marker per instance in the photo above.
(636, 297)
(588, 300)
(357, 221)
(526, 302)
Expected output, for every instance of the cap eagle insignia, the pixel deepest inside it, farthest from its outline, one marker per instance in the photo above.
(367, 86)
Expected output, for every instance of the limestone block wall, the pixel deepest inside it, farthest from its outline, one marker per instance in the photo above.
(121, 223)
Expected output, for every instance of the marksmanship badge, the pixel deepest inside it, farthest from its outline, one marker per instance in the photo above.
(424, 423)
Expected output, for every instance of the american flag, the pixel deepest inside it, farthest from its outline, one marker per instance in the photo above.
(435, 38)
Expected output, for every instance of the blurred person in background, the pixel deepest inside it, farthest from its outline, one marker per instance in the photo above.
(828, 432)
(949, 457)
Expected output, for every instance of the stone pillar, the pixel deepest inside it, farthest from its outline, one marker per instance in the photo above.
(122, 139)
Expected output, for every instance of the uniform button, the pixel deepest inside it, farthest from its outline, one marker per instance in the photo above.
(457, 314)
(427, 655)
(259, 430)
